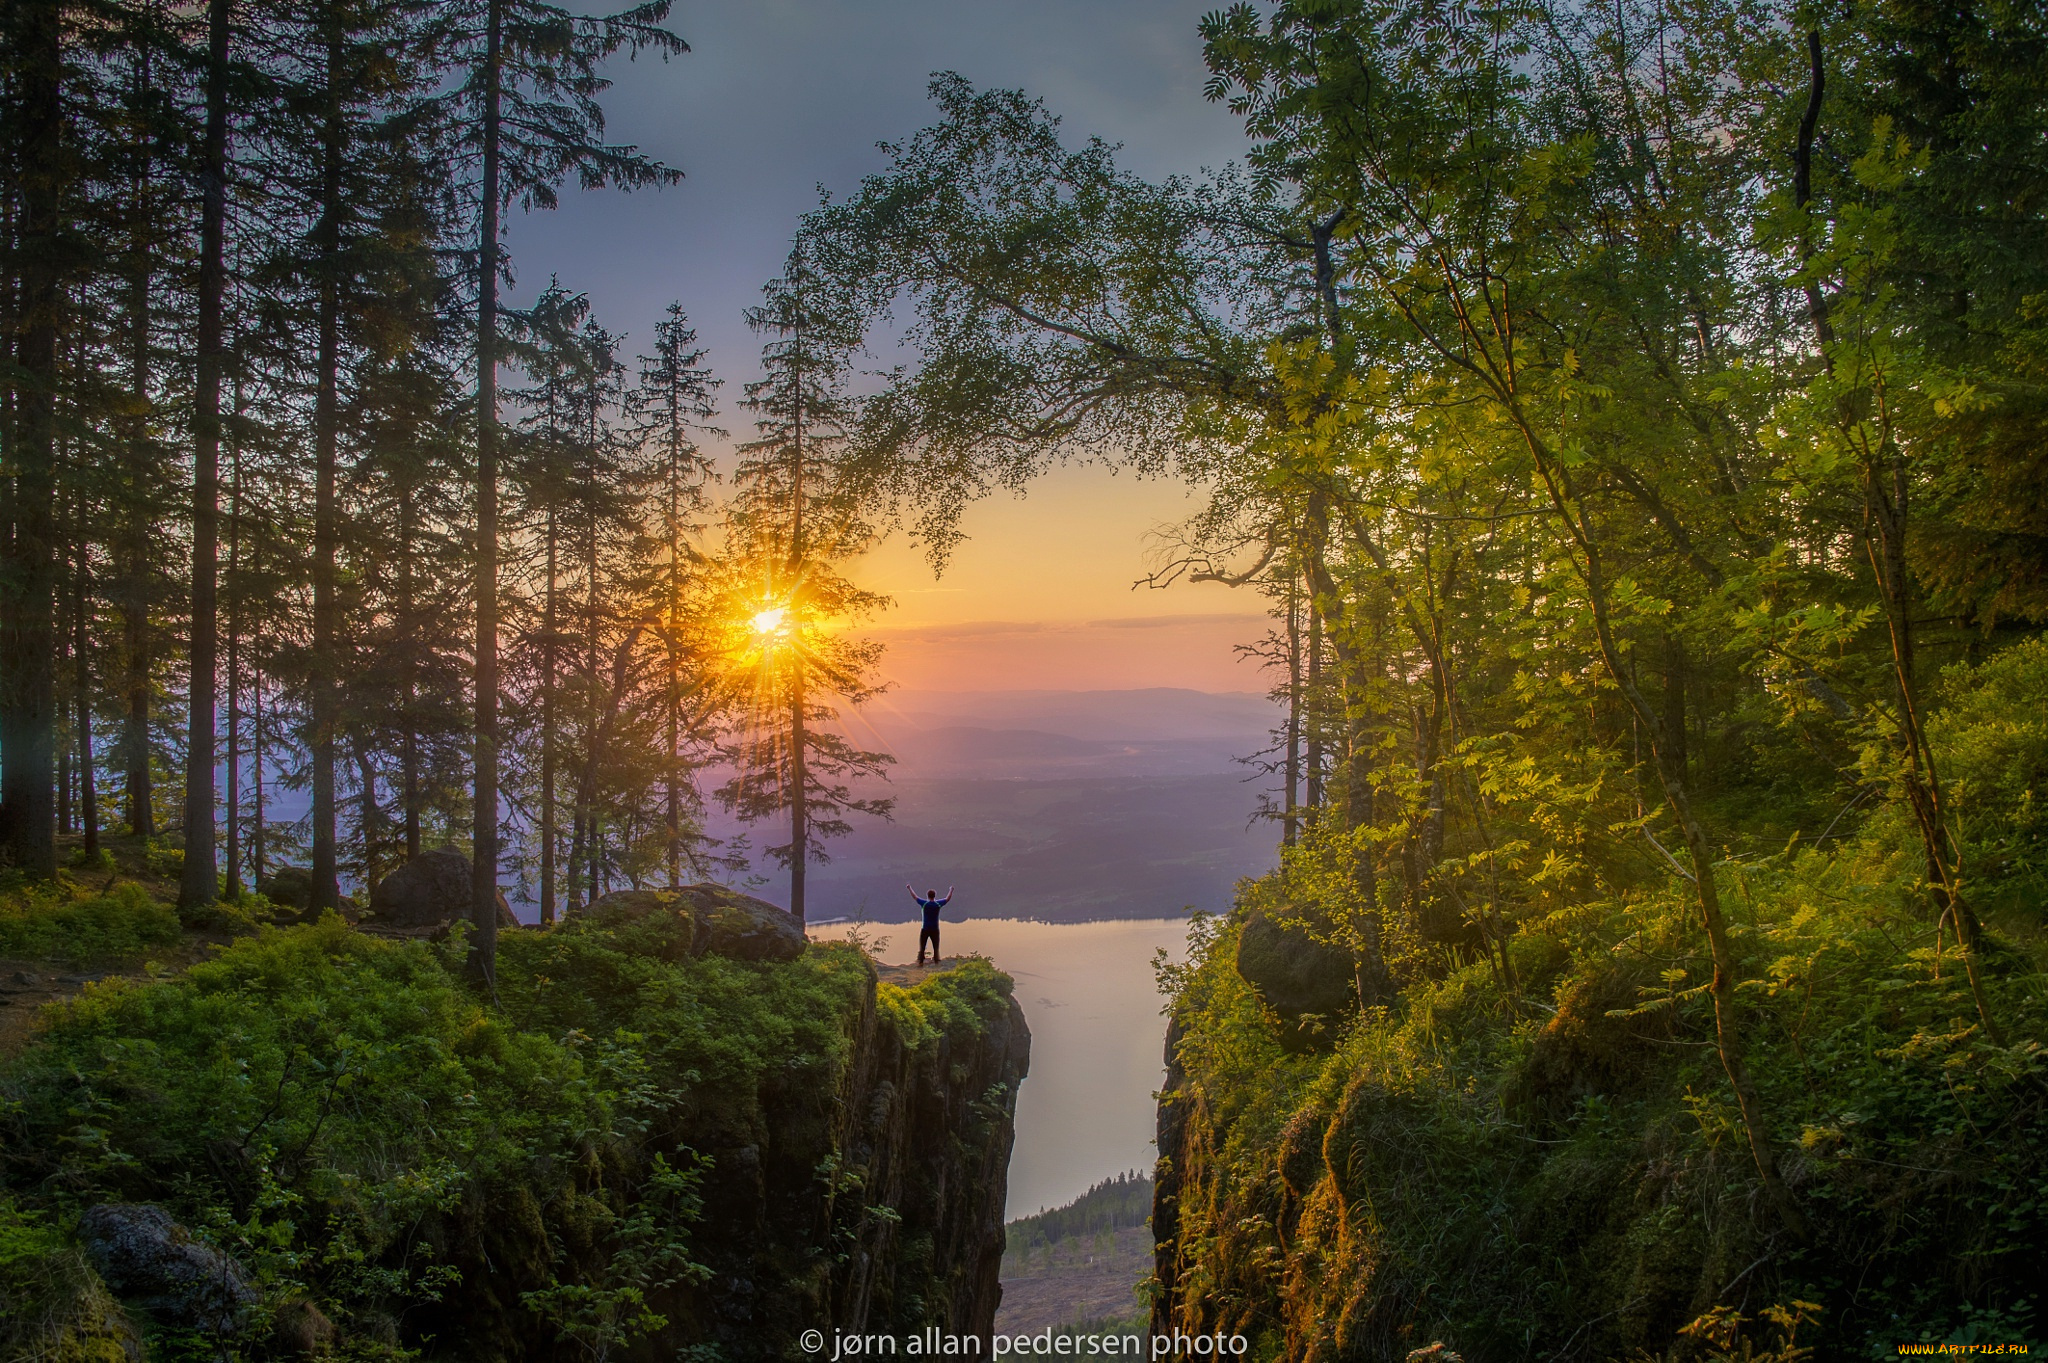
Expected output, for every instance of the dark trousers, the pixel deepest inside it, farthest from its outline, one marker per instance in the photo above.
(929, 932)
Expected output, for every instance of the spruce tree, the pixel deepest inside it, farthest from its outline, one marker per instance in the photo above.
(27, 628)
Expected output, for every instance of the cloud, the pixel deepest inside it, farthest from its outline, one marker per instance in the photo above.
(969, 629)
(1167, 621)
(982, 629)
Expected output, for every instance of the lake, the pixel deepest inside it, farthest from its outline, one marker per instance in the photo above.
(1098, 1040)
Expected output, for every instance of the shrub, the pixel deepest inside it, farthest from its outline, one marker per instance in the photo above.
(1991, 741)
(53, 921)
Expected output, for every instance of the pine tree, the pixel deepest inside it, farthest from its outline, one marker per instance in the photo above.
(27, 629)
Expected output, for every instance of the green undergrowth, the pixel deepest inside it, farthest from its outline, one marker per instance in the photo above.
(350, 1120)
(62, 920)
(953, 1000)
(1565, 1173)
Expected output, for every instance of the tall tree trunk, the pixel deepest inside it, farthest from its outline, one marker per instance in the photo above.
(326, 419)
(62, 641)
(549, 835)
(1886, 501)
(1291, 815)
(584, 856)
(137, 524)
(672, 637)
(800, 793)
(27, 674)
(408, 632)
(1361, 812)
(483, 961)
(371, 819)
(799, 784)
(199, 885)
(1729, 1040)
(81, 681)
(257, 846)
(231, 840)
(1887, 491)
(1312, 707)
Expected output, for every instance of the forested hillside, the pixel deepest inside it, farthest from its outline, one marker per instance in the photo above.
(1634, 417)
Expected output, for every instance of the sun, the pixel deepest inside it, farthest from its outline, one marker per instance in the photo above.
(772, 621)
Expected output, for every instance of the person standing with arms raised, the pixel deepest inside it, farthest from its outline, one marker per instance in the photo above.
(930, 902)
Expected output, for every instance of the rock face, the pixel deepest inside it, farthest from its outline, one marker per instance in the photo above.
(722, 922)
(150, 1259)
(920, 1141)
(1298, 978)
(430, 891)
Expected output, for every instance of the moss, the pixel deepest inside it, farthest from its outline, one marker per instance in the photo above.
(963, 1000)
(53, 1307)
(378, 1144)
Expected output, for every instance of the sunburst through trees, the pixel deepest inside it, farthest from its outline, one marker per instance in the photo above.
(790, 521)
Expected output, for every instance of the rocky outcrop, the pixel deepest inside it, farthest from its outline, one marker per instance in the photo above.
(151, 1260)
(874, 1202)
(288, 887)
(430, 891)
(717, 921)
(860, 1188)
(742, 927)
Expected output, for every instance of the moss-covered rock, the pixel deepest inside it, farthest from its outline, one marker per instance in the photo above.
(1308, 985)
(703, 920)
(1561, 1171)
(53, 1307)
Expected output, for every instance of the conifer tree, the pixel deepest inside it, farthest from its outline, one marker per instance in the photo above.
(198, 885)
(673, 403)
(36, 73)
(792, 520)
(525, 116)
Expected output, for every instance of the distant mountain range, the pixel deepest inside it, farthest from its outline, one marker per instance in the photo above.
(1055, 805)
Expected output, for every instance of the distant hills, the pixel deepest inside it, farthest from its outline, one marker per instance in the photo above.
(1056, 805)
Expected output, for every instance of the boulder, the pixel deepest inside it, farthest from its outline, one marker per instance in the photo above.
(432, 890)
(288, 887)
(742, 927)
(659, 923)
(1305, 982)
(145, 1256)
(301, 1328)
(723, 922)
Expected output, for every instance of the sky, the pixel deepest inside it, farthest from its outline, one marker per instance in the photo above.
(781, 97)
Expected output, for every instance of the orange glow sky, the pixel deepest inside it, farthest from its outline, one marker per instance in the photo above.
(1040, 598)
